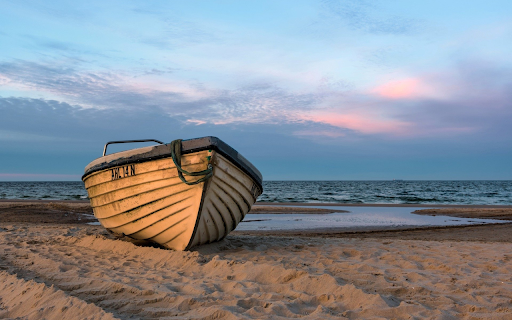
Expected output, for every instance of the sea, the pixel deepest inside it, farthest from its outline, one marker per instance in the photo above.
(466, 192)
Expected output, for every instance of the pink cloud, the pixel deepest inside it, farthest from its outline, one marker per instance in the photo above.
(400, 89)
(362, 123)
(196, 121)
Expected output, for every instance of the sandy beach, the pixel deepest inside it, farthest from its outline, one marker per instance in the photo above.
(53, 265)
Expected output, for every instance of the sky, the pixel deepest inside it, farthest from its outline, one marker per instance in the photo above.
(306, 90)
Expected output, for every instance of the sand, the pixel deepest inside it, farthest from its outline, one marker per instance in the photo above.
(488, 213)
(70, 270)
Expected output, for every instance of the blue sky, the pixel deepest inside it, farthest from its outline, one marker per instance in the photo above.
(314, 90)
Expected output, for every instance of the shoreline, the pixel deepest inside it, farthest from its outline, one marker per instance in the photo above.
(78, 213)
(384, 205)
(488, 233)
(311, 204)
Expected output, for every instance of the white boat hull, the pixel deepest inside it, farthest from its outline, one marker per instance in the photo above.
(149, 201)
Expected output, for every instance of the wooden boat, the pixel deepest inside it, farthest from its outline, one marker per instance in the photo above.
(181, 194)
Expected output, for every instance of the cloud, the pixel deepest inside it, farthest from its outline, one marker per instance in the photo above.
(363, 123)
(72, 136)
(259, 103)
(471, 98)
(94, 89)
(262, 104)
(196, 122)
(406, 88)
(40, 123)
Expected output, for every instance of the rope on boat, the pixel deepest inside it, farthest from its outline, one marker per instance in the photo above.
(176, 157)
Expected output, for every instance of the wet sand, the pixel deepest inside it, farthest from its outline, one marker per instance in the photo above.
(55, 266)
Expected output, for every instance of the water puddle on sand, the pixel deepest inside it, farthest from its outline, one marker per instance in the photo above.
(358, 217)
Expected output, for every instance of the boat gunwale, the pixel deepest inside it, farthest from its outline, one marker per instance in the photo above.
(188, 146)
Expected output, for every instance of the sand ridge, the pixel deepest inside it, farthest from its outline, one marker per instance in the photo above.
(488, 213)
(61, 212)
(29, 300)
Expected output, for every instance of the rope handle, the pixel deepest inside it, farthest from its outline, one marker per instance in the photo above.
(128, 141)
(176, 157)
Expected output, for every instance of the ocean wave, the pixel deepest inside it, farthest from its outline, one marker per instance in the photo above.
(369, 192)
